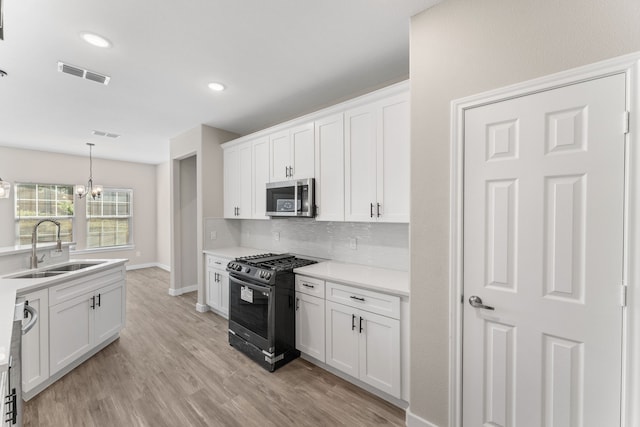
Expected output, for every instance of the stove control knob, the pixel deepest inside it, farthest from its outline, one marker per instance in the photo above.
(267, 276)
(247, 270)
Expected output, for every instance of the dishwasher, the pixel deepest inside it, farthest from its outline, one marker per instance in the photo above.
(13, 393)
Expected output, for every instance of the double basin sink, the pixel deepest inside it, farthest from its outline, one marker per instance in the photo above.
(55, 271)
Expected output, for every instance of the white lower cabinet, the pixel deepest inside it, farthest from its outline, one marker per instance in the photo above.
(310, 331)
(364, 345)
(78, 324)
(35, 343)
(356, 331)
(363, 336)
(217, 285)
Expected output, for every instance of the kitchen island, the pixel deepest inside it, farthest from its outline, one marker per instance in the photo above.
(79, 295)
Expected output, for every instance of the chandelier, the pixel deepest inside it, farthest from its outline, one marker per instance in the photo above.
(82, 190)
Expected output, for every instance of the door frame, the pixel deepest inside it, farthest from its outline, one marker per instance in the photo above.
(629, 65)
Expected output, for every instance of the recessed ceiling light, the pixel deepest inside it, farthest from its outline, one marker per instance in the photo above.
(218, 87)
(95, 40)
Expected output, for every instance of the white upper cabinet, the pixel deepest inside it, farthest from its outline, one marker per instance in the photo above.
(329, 159)
(237, 181)
(292, 153)
(377, 161)
(357, 151)
(260, 154)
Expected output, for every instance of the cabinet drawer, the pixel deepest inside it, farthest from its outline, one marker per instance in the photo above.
(374, 302)
(82, 285)
(217, 262)
(310, 286)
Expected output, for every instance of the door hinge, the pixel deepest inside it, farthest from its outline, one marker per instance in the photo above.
(623, 295)
(627, 119)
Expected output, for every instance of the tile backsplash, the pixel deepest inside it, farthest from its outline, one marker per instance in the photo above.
(375, 244)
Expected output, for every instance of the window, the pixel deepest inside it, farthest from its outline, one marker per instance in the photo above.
(109, 219)
(38, 201)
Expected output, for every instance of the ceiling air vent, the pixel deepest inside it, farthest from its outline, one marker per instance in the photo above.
(105, 134)
(81, 72)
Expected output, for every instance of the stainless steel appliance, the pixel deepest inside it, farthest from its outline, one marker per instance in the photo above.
(294, 198)
(13, 393)
(262, 307)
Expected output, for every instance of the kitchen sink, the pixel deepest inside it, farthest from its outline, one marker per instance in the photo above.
(38, 275)
(56, 270)
(71, 267)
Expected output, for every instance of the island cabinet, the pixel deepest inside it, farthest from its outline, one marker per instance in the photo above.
(217, 285)
(83, 314)
(310, 306)
(35, 343)
(363, 336)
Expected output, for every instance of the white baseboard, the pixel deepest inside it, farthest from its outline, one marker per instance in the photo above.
(183, 290)
(148, 265)
(412, 420)
(202, 308)
(164, 267)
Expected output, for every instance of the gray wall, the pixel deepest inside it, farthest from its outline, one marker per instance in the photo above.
(163, 233)
(460, 48)
(188, 222)
(203, 142)
(18, 165)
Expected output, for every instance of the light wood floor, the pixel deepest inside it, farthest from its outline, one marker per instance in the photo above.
(172, 366)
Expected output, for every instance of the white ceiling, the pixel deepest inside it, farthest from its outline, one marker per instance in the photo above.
(278, 58)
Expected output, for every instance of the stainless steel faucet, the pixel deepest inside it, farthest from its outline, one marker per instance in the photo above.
(34, 241)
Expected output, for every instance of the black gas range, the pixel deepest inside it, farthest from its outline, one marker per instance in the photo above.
(262, 307)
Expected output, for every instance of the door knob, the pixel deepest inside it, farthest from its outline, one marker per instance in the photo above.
(476, 302)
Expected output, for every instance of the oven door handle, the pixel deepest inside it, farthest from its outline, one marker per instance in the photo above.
(250, 285)
(34, 319)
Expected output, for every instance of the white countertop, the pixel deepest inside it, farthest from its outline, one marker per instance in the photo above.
(379, 279)
(12, 250)
(10, 288)
(233, 252)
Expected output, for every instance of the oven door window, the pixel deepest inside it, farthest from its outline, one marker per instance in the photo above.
(249, 307)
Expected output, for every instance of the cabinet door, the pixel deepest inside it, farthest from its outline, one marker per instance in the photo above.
(260, 178)
(71, 331)
(109, 311)
(329, 169)
(310, 325)
(223, 283)
(244, 178)
(35, 344)
(231, 184)
(379, 352)
(213, 289)
(393, 160)
(280, 152)
(360, 164)
(342, 338)
(302, 152)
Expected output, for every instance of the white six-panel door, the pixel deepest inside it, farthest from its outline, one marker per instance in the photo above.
(543, 246)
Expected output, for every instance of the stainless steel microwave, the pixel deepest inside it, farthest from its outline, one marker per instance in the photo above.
(295, 198)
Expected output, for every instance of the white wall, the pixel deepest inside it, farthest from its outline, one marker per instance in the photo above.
(18, 165)
(460, 48)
